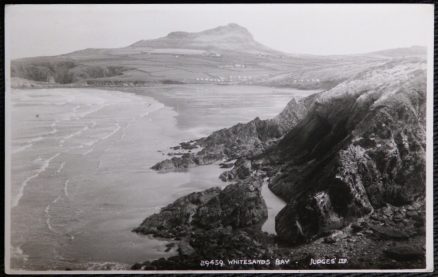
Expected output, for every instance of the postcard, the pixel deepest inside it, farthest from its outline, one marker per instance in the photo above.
(186, 138)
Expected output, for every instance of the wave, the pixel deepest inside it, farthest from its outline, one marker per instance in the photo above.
(54, 129)
(22, 148)
(61, 166)
(38, 137)
(17, 253)
(66, 188)
(117, 128)
(77, 133)
(84, 114)
(48, 217)
(37, 173)
(75, 114)
(113, 132)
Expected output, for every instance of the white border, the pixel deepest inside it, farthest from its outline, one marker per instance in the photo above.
(429, 181)
(7, 244)
(429, 152)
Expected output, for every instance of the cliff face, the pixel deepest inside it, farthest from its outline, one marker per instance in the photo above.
(60, 70)
(360, 147)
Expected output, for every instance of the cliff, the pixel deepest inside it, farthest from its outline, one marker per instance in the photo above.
(360, 147)
(60, 70)
(349, 162)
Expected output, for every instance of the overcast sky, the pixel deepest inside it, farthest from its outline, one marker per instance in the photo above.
(35, 30)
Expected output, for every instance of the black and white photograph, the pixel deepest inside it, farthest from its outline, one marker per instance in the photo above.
(186, 138)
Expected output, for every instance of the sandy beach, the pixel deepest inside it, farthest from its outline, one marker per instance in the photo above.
(81, 177)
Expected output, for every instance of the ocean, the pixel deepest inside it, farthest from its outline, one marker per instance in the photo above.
(80, 167)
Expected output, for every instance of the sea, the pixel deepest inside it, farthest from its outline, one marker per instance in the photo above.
(80, 178)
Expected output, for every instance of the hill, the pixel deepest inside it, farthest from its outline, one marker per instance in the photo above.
(223, 55)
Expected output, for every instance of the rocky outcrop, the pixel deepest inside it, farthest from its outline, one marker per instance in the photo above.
(360, 147)
(238, 205)
(212, 224)
(242, 140)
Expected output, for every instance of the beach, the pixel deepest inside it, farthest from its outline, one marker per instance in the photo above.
(80, 167)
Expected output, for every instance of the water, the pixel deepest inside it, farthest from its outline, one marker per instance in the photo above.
(207, 108)
(80, 169)
(274, 204)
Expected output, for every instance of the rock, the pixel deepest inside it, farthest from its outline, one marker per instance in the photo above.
(369, 232)
(329, 239)
(355, 227)
(226, 176)
(375, 217)
(226, 165)
(306, 218)
(405, 252)
(185, 249)
(243, 168)
(397, 218)
(411, 213)
(175, 219)
(187, 160)
(188, 145)
(169, 246)
(242, 204)
(390, 232)
(237, 205)
(353, 147)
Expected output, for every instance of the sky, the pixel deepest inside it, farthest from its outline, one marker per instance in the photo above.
(41, 30)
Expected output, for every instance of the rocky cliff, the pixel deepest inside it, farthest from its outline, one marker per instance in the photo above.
(60, 70)
(360, 147)
(349, 162)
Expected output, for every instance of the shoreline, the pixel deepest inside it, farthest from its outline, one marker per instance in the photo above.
(57, 169)
(62, 166)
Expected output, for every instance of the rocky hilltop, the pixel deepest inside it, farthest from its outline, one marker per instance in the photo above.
(231, 37)
(349, 162)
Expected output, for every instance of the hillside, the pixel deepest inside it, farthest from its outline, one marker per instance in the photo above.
(218, 41)
(223, 55)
